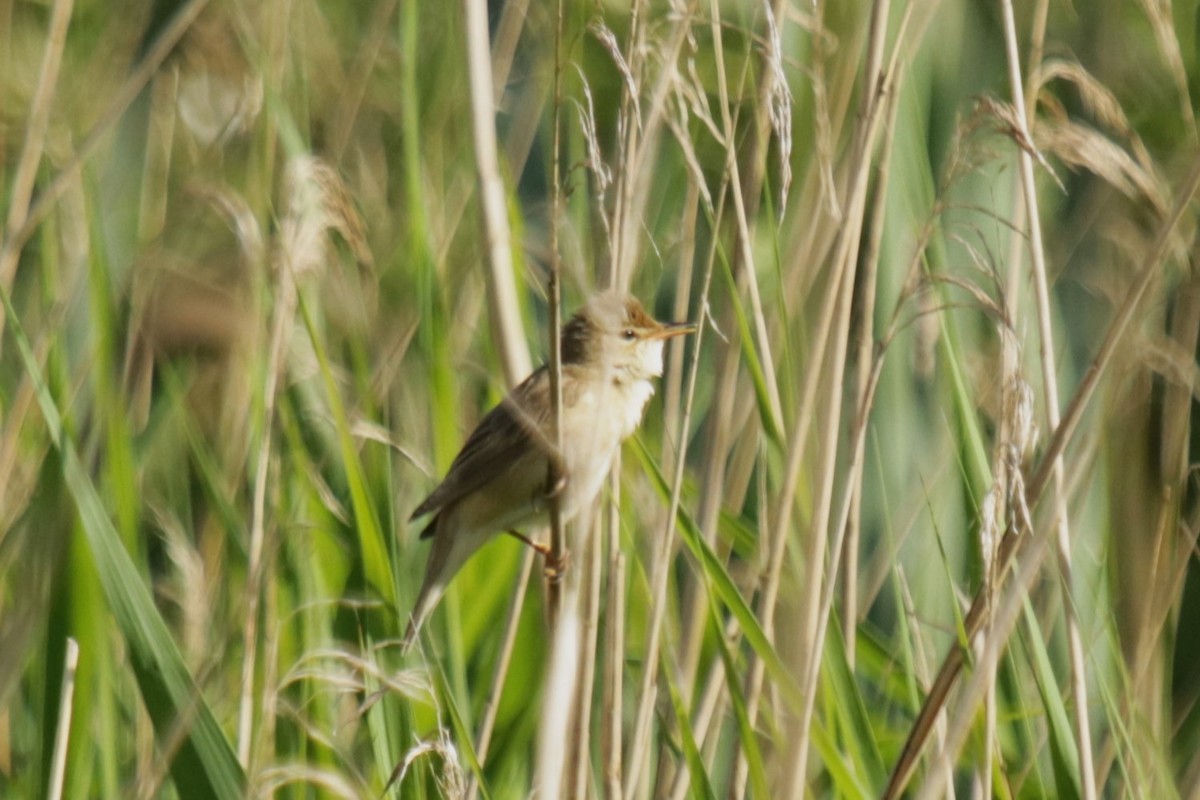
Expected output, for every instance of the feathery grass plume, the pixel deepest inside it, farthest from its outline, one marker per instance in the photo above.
(276, 780)
(451, 780)
(1081, 146)
(609, 41)
(601, 173)
(1004, 120)
(780, 106)
(317, 202)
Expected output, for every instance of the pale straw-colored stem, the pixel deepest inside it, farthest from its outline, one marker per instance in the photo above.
(579, 765)
(502, 289)
(34, 143)
(558, 696)
(715, 495)
(487, 719)
(708, 717)
(626, 224)
(1083, 736)
(813, 622)
(1010, 359)
(614, 663)
(639, 748)
(62, 733)
(285, 308)
(862, 398)
(508, 33)
(502, 301)
(743, 227)
(562, 599)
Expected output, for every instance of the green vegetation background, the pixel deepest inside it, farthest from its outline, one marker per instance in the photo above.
(249, 322)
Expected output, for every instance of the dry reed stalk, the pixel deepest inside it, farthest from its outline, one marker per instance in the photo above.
(673, 380)
(152, 215)
(614, 663)
(730, 449)
(614, 623)
(741, 216)
(554, 738)
(579, 763)
(639, 747)
(813, 621)
(708, 718)
(487, 718)
(627, 216)
(486, 85)
(1033, 549)
(502, 290)
(1003, 477)
(265, 750)
(62, 733)
(857, 448)
(782, 518)
(693, 613)
(862, 400)
(508, 33)
(558, 543)
(284, 312)
(562, 602)
(1083, 737)
(34, 143)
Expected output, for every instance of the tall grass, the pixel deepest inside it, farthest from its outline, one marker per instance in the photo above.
(913, 513)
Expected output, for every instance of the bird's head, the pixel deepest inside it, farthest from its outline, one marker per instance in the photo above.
(613, 331)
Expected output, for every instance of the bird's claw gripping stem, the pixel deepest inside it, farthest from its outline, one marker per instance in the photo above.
(555, 568)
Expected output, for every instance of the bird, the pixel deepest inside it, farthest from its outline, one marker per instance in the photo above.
(501, 481)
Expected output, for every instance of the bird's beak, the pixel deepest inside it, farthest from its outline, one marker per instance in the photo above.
(670, 329)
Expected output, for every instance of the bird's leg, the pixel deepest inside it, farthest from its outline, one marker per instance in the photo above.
(544, 549)
(555, 567)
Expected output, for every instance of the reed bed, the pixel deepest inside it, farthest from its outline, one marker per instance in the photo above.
(913, 513)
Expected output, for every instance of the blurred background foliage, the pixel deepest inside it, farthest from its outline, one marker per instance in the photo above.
(251, 316)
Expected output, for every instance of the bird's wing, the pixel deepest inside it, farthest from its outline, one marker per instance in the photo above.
(508, 432)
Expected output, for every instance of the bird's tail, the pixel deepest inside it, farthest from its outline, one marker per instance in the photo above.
(452, 546)
(427, 599)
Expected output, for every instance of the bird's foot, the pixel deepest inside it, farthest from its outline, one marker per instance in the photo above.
(556, 568)
(538, 547)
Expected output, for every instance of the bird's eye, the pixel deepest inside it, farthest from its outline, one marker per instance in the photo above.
(628, 334)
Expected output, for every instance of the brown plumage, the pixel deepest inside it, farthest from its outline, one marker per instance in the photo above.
(611, 350)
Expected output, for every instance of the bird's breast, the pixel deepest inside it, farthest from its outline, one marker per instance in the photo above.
(634, 396)
(597, 422)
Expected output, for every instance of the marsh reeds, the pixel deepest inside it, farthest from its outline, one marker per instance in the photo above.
(915, 510)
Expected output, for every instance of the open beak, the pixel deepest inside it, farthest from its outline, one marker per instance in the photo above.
(670, 329)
